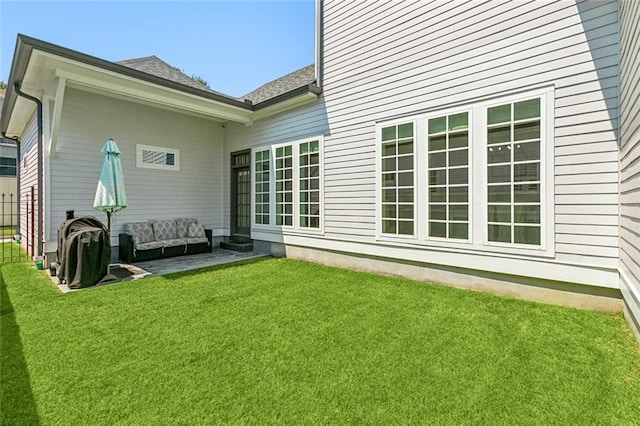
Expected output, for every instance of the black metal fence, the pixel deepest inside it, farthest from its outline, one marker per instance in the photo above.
(14, 245)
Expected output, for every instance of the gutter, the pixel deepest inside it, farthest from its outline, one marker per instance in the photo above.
(319, 42)
(308, 88)
(16, 87)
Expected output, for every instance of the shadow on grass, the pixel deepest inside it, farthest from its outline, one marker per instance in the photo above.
(16, 397)
(229, 265)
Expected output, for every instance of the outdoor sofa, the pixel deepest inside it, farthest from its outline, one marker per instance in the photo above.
(156, 239)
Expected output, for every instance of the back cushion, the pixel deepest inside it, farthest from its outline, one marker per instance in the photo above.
(165, 229)
(142, 232)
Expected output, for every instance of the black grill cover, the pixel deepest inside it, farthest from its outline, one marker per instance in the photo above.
(83, 252)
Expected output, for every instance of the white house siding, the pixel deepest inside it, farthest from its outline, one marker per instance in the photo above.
(386, 60)
(630, 157)
(88, 120)
(29, 179)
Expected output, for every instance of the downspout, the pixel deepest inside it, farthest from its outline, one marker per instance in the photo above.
(319, 22)
(16, 86)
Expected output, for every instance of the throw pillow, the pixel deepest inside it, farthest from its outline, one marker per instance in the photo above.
(196, 230)
(183, 226)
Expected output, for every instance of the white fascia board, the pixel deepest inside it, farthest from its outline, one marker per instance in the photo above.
(158, 96)
(110, 82)
(295, 102)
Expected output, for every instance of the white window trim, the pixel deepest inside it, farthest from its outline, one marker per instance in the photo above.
(478, 233)
(295, 228)
(141, 164)
(261, 226)
(379, 233)
(424, 189)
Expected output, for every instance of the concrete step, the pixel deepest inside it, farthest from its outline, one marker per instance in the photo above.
(242, 247)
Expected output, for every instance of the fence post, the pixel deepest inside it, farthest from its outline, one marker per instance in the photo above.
(13, 231)
(33, 220)
(26, 221)
(3, 226)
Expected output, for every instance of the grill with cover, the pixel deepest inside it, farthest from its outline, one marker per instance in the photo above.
(83, 251)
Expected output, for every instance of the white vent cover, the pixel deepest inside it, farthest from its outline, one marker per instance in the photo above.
(155, 157)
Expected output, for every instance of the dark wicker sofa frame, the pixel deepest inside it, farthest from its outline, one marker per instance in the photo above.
(126, 252)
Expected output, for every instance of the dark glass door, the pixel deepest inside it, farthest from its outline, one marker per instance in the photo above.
(241, 193)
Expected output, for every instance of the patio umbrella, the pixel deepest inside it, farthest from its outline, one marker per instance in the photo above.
(110, 195)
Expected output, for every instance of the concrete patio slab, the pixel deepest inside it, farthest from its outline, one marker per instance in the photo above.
(195, 261)
(170, 265)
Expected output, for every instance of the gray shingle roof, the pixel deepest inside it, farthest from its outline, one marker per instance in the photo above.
(156, 66)
(289, 82)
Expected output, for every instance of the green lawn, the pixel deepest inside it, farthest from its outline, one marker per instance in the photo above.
(11, 252)
(283, 341)
(7, 231)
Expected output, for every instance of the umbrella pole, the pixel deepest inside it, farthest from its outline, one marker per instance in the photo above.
(109, 240)
(108, 278)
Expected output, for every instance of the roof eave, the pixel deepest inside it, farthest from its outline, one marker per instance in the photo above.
(18, 69)
(307, 88)
(25, 45)
(304, 95)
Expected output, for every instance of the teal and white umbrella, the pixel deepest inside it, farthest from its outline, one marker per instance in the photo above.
(110, 195)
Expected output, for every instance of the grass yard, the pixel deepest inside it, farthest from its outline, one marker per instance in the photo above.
(283, 341)
(7, 231)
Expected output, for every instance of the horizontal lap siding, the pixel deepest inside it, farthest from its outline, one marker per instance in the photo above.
(28, 178)
(388, 59)
(89, 119)
(630, 154)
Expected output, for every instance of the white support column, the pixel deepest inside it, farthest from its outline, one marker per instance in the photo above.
(57, 114)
